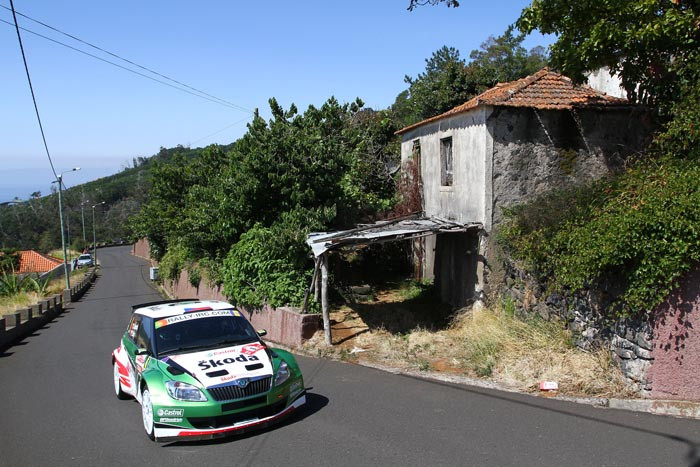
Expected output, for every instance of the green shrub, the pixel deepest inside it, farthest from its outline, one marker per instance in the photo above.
(639, 230)
(271, 265)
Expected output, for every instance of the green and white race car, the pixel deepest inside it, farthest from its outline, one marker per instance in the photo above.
(200, 370)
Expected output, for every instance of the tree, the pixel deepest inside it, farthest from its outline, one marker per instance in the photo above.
(650, 43)
(415, 3)
(504, 59)
(444, 84)
(449, 81)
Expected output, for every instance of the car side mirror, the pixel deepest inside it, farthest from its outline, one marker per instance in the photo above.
(141, 352)
(262, 332)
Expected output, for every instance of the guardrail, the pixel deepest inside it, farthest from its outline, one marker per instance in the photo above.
(18, 325)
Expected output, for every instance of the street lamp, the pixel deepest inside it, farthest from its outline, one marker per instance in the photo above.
(59, 180)
(82, 214)
(94, 236)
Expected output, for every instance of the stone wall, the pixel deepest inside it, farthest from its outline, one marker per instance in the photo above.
(536, 151)
(659, 354)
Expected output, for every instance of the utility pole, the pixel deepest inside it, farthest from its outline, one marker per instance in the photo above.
(82, 214)
(59, 180)
(94, 235)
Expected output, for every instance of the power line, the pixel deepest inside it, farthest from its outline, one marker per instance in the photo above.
(122, 67)
(131, 62)
(219, 131)
(31, 88)
(225, 104)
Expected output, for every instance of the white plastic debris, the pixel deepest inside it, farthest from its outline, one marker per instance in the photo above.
(549, 386)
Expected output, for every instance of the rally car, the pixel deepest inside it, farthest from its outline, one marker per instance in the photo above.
(200, 370)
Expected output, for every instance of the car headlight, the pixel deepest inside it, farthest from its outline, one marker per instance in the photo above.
(282, 374)
(184, 391)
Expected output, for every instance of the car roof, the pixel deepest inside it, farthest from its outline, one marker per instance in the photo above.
(165, 308)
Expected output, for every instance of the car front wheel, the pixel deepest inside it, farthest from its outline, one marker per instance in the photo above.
(147, 413)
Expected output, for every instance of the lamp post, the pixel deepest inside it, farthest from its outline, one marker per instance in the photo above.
(59, 180)
(94, 235)
(82, 214)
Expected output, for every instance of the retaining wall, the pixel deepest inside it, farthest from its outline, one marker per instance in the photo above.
(16, 326)
(658, 353)
(284, 325)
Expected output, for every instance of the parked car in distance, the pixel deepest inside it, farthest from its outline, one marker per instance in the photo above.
(200, 370)
(85, 260)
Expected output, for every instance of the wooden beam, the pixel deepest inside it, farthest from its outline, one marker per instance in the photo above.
(324, 299)
(311, 286)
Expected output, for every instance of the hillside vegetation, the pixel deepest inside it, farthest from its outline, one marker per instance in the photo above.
(34, 223)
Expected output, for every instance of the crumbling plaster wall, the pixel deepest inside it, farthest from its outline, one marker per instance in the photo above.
(467, 200)
(536, 151)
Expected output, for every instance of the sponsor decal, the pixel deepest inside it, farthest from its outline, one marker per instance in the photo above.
(140, 363)
(228, 378)
(170, 419)
(171, 413)
(214, 363)
(201, 308)
(251, 349)
(194, 315)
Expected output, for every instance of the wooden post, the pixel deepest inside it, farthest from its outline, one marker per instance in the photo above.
(324, 299)
(312, 286)
(317, 287)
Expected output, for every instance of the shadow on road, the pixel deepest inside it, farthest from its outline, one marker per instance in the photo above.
(692, 456)
(314, 403)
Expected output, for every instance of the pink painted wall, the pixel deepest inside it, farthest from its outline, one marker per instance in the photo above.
(284, 325)
(142, 250)
(675, 370)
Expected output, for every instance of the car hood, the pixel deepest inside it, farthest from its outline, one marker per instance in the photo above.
(216, 367)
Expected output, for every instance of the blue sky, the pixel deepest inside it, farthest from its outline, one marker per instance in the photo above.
(99, 117)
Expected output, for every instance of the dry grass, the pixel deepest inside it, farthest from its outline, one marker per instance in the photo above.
(13, 303)
(489, 344)
(58, 253)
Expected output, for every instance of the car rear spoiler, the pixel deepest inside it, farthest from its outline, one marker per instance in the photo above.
(163, 302)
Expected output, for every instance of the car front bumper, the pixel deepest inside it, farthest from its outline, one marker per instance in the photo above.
(168, 434)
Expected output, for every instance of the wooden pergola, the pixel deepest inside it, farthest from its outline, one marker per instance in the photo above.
(401, 228)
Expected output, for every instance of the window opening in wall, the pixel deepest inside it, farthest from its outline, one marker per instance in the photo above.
(446, 162)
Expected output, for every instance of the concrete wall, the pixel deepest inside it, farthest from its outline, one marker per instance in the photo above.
(465, 200)
(675, 368)
(285, 325)
(16, 326)
(603, 81)
(143, 250)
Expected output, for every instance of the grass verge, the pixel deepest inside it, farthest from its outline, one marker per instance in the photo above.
(490, 344)
(12, 303)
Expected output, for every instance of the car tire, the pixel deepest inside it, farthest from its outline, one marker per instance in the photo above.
(147, 414)
(118, 384)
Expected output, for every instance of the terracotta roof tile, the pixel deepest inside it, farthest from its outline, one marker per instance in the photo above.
(546, 90)
(31, 261)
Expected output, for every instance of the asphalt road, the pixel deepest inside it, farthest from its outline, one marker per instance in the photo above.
(57, 407)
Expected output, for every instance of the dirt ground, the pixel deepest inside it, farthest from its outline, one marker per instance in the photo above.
(416, 334)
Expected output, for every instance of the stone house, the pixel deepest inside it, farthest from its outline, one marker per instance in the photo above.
(504, 147)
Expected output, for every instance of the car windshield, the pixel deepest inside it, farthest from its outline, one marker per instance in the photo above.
(85, 257)
(197, 331)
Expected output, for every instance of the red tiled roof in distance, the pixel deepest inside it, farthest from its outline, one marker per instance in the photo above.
(31, 261)
(545, 90)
